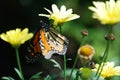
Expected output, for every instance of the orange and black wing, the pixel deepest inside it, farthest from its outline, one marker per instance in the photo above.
(51, 42)
(34, 49)
(47, 41)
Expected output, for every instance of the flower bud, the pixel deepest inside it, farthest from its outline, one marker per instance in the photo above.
(84, 32)
(110, 37)
(86, 52)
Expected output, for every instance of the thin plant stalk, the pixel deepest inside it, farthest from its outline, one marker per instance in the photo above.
(103, 60)
(18, 63)
(78, 76)
(60, 29)
(104, 56)
(64, 56)
(76, 58)
(64, 67)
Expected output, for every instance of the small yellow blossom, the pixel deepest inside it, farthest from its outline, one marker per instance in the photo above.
(109, 70)
(85, 73)
(60, 16)
(86, 52)
(106, 13)
(16, 37)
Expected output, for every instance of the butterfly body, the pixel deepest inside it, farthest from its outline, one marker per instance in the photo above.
(47, 41)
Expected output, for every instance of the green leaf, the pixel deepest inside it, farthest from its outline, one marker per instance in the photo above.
(18, 72)
(93, 77)
(48, 77)
(37, 75)
(69, 59)
(56, 64)
(78, 76)
(7, 78)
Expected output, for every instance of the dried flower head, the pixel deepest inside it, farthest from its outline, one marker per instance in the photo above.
(106, 13)
(86, 52)
(60, 16)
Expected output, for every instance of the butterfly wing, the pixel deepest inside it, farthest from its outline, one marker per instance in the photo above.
(47, 41)
(52, 42)
(34, 49)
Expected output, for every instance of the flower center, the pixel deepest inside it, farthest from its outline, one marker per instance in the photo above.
(86, 50)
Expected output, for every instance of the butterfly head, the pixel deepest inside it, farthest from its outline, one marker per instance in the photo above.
(45, 25)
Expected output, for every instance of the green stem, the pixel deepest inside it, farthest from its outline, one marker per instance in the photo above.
(76, 58)
(105, 55)
(18, 62)
(82, 40)
(64, 66)
(60, 29)
(77, 76)
(64, 56)
(103, 60)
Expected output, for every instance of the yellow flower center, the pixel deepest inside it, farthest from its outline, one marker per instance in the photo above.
(57, 19)
(86, 50)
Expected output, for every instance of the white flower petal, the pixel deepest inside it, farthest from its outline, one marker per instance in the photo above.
(48, 10)
(72, 17)
(55, 9)
(69, 11)
(108, 12)
(45, 15)
(62, 9)
(60, 16)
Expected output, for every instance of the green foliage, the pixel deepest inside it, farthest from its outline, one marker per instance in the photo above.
(56, 64)
(10, 78)
(18, 72)
(36, 76)
(7, 78)
(48, 78)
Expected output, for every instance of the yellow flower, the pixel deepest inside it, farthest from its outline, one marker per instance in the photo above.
(85, 73)
(16, 37)
(60, 16)
(109, 70)
(86, 52)
(106, 13)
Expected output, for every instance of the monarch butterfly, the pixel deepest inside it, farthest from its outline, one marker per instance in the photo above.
(47, 41)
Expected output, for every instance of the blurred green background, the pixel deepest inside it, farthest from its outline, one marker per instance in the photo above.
(24, 13)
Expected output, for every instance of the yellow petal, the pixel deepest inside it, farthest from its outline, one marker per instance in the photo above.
(16, 37)
(106, 12)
